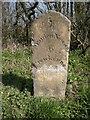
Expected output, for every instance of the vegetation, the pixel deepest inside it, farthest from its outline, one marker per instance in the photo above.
(18, 101)
(18, 17)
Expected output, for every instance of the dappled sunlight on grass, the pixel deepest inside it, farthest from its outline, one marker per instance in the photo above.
(17, 89)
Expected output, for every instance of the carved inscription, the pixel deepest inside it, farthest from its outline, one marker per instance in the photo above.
(50, 22)
(51, 36)
(50, 46)
(50, 59)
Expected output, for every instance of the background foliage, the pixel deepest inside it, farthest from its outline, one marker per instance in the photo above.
(18, 17)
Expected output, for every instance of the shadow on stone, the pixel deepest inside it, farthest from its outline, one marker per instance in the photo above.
(16, 81)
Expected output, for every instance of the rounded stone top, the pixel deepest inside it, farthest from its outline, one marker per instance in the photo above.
(57, 16)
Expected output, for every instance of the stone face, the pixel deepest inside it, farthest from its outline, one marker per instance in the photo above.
(50, 46)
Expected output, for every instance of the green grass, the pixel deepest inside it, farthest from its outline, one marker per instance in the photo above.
(17, 88)
(17, 62)
(79, 66)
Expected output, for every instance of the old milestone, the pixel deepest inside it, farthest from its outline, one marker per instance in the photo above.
(50, 47)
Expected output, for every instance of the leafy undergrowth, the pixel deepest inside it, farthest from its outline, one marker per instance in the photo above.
(17, 89)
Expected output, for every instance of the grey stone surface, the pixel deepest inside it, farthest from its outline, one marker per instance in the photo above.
(50, 46)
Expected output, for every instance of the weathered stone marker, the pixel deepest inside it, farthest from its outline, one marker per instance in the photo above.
(50, 46)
